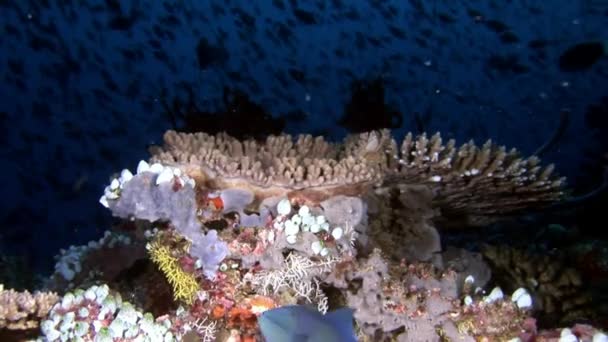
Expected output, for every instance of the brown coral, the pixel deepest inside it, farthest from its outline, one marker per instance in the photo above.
(476, 184)
(557, 288)
(279, 166)
(24, 310)
(400, 215)
(471, 185)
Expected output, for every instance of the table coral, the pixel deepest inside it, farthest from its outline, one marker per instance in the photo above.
(471, 183)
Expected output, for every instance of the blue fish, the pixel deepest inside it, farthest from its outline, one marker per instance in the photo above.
(300, 323)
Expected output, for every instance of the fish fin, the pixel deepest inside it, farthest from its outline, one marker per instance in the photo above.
(277, 324)
(342, 321)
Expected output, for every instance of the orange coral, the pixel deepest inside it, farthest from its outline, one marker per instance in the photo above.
(260, 304)
(242, 317)
(217, 203)
(218, 311)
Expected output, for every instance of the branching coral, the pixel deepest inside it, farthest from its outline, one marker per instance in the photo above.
(23, 310)
(184, 284)
(300, 220)
(557, 287)
(298, 274)
(477, 184)
(474, 185)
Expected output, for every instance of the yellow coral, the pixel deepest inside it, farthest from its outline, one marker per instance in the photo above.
(184, 284)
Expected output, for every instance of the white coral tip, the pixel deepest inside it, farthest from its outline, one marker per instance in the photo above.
(125, 176)
(316, 247)
(524, 302)
(157, 168)
(337, 233)
(566, 335)
(291, 239)
(320, 219)
(304, 211)
(109, 194)
(143, 166)
(324, 251)
(469, 279)
(115, 184)
(495, 295)
(284, 207)
(291, 228)
(165, 176)
(104, 201)
(522, 298)
(296, 219)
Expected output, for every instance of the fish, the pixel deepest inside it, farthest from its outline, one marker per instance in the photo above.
(300, 323)
(582, 56)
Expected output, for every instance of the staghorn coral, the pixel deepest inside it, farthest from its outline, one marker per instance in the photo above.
(23, 310)
(471, 185)
(556, 287)
(184, 284)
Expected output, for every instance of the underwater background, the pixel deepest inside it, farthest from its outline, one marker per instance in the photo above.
(87, 87)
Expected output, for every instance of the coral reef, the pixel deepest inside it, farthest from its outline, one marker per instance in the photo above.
(95, 314)
(472, 185)
(223, 230)
(557, 288)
